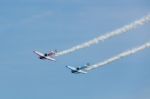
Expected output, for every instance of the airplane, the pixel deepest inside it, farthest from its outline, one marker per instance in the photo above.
(48, 56)
(78, 70)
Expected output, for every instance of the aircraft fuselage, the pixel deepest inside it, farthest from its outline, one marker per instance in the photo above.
(75, 72)
(43, 57)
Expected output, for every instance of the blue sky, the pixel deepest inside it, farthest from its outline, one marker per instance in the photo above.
(44, 25)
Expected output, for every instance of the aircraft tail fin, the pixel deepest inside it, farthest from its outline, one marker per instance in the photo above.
(87, 64)
(52, 53)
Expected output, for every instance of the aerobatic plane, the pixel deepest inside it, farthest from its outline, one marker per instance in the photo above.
(78, 70)
(48, 56)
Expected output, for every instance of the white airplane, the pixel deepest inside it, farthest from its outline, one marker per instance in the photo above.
(78, 69)
(48, 56)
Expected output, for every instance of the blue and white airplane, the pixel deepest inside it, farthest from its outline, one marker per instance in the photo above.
(48, 56)
(78, 69)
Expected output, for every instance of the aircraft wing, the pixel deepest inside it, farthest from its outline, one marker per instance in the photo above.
(70, 67)
(38, 53)
(81, 71)
(49, 58)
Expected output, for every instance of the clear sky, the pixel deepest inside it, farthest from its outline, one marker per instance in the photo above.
(44, 25)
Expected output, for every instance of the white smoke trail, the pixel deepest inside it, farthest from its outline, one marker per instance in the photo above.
(119, 31)
(119, 56)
